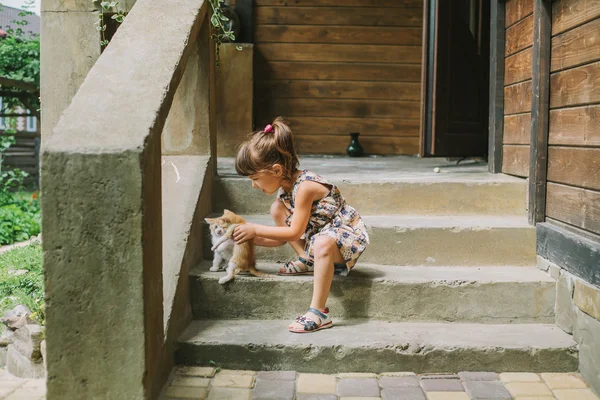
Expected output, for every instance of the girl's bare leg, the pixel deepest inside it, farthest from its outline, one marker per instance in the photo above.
(326, 254)
(279, 213)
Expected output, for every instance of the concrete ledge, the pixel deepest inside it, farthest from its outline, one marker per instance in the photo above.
(434, 240)
(390, 293)
(377, 346)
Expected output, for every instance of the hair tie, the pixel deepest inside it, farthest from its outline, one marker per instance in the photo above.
(269, 128)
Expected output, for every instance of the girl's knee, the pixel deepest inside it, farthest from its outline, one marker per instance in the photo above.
(278, 212)
(324, 246)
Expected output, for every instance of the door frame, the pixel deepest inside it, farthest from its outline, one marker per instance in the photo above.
(496, 82)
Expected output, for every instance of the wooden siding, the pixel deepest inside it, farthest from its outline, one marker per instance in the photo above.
(573, 193)
(331, 69)
(517, 87)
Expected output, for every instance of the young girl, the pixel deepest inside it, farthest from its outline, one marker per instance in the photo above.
(309, 213)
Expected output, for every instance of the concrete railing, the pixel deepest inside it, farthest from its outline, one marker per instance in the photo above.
(107, 334)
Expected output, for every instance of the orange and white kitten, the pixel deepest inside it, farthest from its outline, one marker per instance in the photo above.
(239, 257)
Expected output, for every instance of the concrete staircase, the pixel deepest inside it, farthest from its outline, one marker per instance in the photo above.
(448, 284)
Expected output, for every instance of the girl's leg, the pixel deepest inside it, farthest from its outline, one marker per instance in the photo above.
(279, 214)
(326, 254)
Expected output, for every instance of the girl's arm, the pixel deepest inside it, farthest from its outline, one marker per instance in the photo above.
(308, 192)
(264, 242)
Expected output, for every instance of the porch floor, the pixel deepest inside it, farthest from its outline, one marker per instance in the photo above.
(388, 169)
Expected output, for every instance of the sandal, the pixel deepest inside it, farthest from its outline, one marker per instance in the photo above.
(292, 269)
(310, 325)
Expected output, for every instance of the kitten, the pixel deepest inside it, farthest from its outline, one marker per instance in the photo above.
(240, 257)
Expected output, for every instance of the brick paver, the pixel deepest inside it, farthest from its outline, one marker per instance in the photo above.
(202, 383)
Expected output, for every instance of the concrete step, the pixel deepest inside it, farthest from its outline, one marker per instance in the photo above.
(433, 240)
(453, 294)
(391, 185)
(378, 346)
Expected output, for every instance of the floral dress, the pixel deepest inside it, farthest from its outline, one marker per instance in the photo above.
(331, 216)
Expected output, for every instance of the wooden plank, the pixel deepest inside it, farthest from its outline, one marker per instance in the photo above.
(517, 129)
(575, 86)
(575, 206)
(496, 102)
(517, 98)
(542, 42)
(366, 126)
(337, 108)
(515, 160)
(341, 90)
(373, 35)
(576, 126)
(519, 36)
(573, 249)
(574, 166)
(333, 144)
(337, 3)
(339, 53)
(338, 71)
(391, 16)
(576, 47)
(518, 67)
(567, 14)
(516, 10)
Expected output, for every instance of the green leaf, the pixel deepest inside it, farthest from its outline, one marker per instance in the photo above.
(239, 48)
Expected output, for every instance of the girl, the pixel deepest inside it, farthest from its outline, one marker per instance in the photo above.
(309, 213)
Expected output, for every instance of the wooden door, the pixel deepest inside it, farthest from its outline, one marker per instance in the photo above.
(456, 107)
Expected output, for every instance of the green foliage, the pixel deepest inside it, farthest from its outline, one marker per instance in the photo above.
(104, 8)
(25, 288)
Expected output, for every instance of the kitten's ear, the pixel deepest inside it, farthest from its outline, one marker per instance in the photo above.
(227, 212)
(209, 220)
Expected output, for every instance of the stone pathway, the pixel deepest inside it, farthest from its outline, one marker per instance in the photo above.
(201, 383)
(12, 388)
(205, 383)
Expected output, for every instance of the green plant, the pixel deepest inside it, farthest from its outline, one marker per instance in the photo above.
(22, 280)
(107, 7)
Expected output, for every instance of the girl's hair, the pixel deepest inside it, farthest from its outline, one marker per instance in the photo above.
(263, 149)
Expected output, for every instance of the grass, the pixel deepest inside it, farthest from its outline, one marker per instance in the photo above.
(25, 288)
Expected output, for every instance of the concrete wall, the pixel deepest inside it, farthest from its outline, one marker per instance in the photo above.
(578, 313)
(234, 85)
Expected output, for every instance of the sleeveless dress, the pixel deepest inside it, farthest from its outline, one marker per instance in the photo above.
(331, 216)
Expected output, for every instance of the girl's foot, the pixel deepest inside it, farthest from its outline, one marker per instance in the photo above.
(301, 267)
(314, 320)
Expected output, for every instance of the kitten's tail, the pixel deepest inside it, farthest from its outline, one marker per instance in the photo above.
(254, 272)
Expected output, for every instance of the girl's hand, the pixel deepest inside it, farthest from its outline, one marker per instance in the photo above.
(244, 233)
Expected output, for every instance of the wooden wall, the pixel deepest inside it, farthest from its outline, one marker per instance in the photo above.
(334, 67)
(573, 192)
(517, 87)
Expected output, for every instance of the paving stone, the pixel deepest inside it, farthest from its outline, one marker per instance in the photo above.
(575, 394)
(519, 377)
(11, 383)
(478, 376)
(360, 398)
(237, 372)
(405, 393)
(277, 375)
(447, 396)
(316, 383)
(442, 385)
(270, 389)
(523, 389)
(190, 381)
(312, 396)
(229, 394)
(356, 375)
(587, 298)
(358, 387)
(207, 372)
(187, 392)
(398, 374)
(564, 381)
(399, 381)
(233, 381)
(486, 390)
(439, 376)
(536, 398)
(5, 391)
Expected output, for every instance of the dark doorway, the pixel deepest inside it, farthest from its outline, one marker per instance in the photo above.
(456, 78)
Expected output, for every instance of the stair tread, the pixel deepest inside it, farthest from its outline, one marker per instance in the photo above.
(426, 221)
(406, 274)
(380, 334)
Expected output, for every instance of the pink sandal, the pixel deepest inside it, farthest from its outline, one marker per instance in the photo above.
(309, 325)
